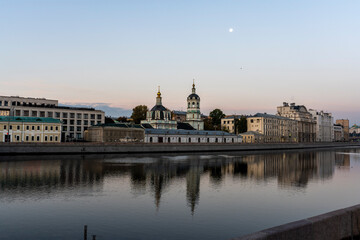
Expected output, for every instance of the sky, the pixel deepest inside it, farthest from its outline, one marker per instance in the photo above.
(117, 53)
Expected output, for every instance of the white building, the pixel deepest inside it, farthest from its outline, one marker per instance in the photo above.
(189, 136)
(324, 126)
(74, 120)
(159, 117)
(193, 114)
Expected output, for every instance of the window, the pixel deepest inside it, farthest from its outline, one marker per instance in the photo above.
(32, 127)
(86, 122)
(51, 128)
(4, 127)
(78, 129)
(51, 138)
(46, 128)
(78, 115)
(10, 127)
(27, 128)
(38, 128)
(151, 139)
(18, 138)
(46, 138)
(86, 116)
(32, 138)
(50, 114)
(92, 116)
(64, 121)
(64, 115)
(27, 138)
(72, 115)
(57, 115)
(26, 113)
(78, 122)
(17, 113)
(92, 123)
(71, 128)
(98, 122)
(189, 140)
(0, 103)
(38, 138)
(42, 114)
(99, 116)
(198, 139)
(56, 128)
(179, 140)
(34, 113)
(64, 128)
(56, 138)
(6, 103)
(18, 127)
(71, 122)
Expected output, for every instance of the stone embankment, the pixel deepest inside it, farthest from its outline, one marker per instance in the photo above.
(103, 148)
(341, 224)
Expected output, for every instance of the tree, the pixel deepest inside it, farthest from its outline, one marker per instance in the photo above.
(216, 116)
(139, 113)
(122, 119)
(241, 125)
(208, 124)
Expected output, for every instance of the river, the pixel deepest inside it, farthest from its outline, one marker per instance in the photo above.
(179, 196)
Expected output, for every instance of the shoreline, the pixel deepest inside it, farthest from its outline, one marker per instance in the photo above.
(139, 148)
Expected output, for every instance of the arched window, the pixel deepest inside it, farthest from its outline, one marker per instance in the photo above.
(151, 139)
(193, 104)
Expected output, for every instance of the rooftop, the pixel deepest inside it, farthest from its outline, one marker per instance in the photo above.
(265, 115)
(187, 132)
(28, 119)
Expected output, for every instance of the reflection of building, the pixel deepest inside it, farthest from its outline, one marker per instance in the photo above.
(345, 124)
(111, 132)
(306, 124)
(74, 120)
(193, 185)
(159, 117)
(193, 115)
(29, 129)
(324, 126)
(273, 128)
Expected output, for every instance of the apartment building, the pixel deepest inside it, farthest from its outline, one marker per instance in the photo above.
(74, 120)
(338, 133)
(228, 123)
(345, 124)
(306, 124)
(324, 126)
(273, 128)
(29, 129)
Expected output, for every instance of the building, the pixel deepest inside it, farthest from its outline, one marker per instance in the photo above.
(189, 136)
(306, 124)
(29, 129)
(228, 123)
(193, 114)
(355, 129)
(179, 116)
(115, 132)
(252, 137)
(345, 124)
(159, 116)
(74, 120)
(273, 128)
(4, 112)
(324, 126)
(338, 133)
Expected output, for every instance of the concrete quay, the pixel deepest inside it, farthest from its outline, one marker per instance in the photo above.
(341, 224)
(129, 148)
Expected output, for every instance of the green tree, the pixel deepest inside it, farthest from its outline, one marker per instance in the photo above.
(216, 116)
(241, 125)
(122, 119)
(208, 124)
(139, 113)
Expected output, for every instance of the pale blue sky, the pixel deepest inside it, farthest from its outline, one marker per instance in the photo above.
(118, 52)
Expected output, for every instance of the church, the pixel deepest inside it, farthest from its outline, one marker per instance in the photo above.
(159, 117)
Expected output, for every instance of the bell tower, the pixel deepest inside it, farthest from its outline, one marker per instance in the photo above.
(193, 115)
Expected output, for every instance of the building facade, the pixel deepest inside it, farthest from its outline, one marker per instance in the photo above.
(252, 137)
(345, 124)
(4, 112)
(179, 116)
(159, 117)
(29, 129)
(306, 124)
(273, 128)
(338, 133)
(228, 123)
(189, 136)
(115, 132)
(74, 120)
(193, 114)
(324, 126)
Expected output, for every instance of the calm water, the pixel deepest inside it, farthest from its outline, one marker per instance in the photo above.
(208, 196)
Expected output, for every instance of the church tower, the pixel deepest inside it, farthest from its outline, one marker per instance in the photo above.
(193, 115)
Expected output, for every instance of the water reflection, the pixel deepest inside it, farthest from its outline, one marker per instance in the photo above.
(155, 174)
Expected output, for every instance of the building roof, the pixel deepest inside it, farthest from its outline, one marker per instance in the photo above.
(159, 108)
(188, 132)
(232, 116)
(54, 107)
(179, 112)
(185, 126)
(120, 125)
(265, 115)
(193, 96)
(29, 119)
(251, 133)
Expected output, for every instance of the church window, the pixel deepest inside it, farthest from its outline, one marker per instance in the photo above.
(193, 104)
(188, 104)
(197, 104)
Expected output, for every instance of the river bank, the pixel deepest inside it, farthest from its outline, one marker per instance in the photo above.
(130, 148)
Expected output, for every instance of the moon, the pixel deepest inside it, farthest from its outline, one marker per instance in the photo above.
(231, 30)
